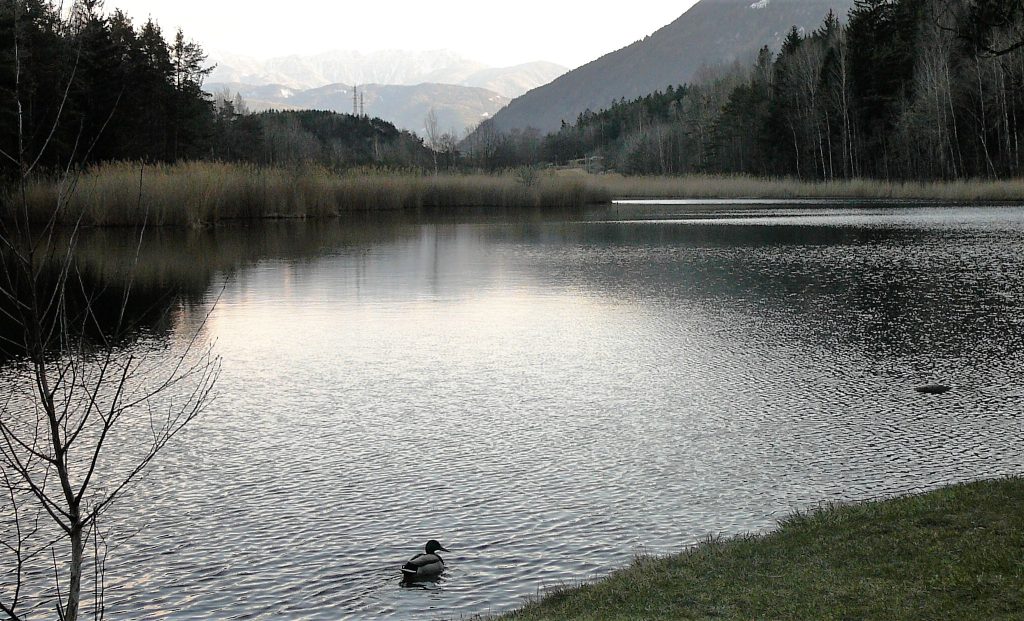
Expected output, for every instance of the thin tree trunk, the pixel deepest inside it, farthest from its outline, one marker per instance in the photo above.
(984, 123)
(821, 150)
(956, 129)
(75, 582)
(828, 137)
(796, 149)
(1006, 114)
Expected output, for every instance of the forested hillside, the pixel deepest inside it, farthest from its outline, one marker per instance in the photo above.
(711, 32)
(85, 87)
(292, 137)
(456, 107)
(907, 89)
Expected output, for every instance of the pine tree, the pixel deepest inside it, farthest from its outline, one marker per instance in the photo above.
(191, 109)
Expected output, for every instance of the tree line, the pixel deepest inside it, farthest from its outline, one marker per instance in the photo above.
(293, 137)
(85, 86)
(922, 89)
(88, 86)
(918, 89)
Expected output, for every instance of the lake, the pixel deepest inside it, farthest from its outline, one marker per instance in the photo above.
(552, 394)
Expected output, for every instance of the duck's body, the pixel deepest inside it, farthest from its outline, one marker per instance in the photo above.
(425, 566)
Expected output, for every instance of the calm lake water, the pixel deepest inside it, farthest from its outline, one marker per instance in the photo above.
(550, 396)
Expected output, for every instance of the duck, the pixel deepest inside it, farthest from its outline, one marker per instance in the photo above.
(425, 566)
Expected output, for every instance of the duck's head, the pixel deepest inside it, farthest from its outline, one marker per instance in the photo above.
(434, 545)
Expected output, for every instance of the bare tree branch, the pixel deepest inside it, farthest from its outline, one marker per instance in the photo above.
(78, 389)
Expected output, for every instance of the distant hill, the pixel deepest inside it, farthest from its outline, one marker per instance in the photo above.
(712, 32)
(393, 67)
(512, 82)
(338, 141)
(457, 107)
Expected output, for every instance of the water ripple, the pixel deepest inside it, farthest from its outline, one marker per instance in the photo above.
(550, 399)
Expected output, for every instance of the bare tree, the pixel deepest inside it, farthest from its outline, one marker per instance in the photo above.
(433, 131)
(482, 144)
(241, 107)
(840, 96)
(987, 19)
(81, 414)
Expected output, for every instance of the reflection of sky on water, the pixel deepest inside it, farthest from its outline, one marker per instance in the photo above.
(547, 397)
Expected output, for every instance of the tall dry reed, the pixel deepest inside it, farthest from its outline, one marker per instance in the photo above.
(199, 193)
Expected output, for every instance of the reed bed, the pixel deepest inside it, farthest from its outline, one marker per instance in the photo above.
(742, 186)
(202, 193)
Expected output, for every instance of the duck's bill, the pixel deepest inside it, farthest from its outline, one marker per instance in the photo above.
(445, 550)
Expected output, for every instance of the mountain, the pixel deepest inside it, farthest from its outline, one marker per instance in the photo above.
(394, 67)
(513, 81)
(712, 32)
(457, 107)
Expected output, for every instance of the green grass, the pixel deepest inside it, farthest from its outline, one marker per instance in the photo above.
(956, 553)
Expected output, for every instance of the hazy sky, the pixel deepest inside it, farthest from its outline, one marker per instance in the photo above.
(568, 32)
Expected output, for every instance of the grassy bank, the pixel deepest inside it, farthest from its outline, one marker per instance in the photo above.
(739, 186)
(199, 193)
(956, 553)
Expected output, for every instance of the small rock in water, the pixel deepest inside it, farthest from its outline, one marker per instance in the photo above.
(933, 389)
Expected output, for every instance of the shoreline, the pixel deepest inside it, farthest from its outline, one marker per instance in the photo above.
(954, 552)
(199, 194)
(719, 187)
